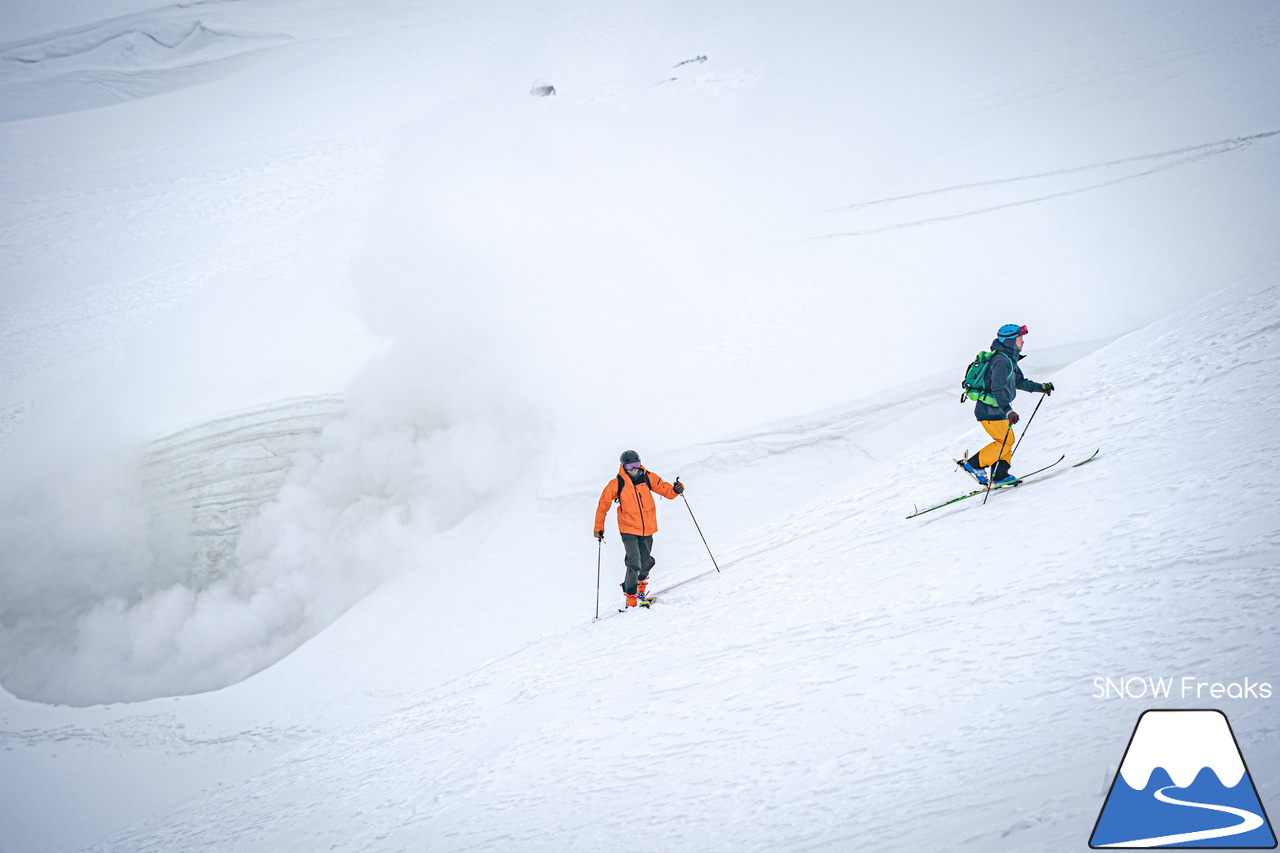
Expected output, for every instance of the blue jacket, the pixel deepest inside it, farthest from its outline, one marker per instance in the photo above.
(1006, 380)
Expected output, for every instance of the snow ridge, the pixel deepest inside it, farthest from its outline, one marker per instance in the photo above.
(123, 58)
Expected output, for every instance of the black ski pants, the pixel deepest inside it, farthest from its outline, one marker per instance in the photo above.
(639, 560)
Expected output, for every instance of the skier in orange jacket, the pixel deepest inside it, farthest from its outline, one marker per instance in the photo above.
(633, 490)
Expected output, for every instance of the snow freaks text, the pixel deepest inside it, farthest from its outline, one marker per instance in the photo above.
(1184, 687)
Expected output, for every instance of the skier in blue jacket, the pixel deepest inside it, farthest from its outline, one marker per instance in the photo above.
(1004, 381)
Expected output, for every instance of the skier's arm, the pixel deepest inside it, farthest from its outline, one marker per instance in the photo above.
(602, 508)
(1025, 384)
(662, 487)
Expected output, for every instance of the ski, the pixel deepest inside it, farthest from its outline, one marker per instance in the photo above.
(641, 602)
(1092, 457)
(654, 597)
(977, 492)
(946, 503)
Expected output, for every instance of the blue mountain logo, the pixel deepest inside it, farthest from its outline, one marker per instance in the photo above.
(1183, 783)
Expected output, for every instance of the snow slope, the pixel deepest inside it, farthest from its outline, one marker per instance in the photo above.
(174, 750)
(852, 678)
(312, 341)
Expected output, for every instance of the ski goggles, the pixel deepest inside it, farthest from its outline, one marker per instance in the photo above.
(632, 467)
(1011, 330)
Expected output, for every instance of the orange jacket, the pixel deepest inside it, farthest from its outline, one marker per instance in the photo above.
(636, 511)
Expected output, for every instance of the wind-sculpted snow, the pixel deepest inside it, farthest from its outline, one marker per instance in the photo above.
(202, 484)
(121, 58)
(240, 540)
(118, 45)
(117, 635)
(162, 49)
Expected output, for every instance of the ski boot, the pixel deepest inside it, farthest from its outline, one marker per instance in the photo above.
(1001, 475)
(977, 473)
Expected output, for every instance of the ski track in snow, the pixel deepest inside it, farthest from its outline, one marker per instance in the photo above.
(1185, 156)
(847, 661)
(1210, 148)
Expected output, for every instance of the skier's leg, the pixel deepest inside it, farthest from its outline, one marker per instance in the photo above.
(645, 544)
(1002, 445)
(633, 561)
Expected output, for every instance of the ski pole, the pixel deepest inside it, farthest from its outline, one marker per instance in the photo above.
(1028, 426)
(599, 548)
(695, 524)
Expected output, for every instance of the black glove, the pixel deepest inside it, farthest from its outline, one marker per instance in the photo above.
(600, 535)
(1013, 418)
(678, 487)
(1047, 388)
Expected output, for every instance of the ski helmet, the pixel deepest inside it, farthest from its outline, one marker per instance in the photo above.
(1010, 330)
(629, 456)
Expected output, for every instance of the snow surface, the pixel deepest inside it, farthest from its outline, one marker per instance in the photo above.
(321, 335)
(847, 661)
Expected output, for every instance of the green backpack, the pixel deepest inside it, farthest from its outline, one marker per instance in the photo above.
(976, 384)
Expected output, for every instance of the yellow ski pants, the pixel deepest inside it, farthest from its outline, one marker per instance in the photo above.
(1001, 447)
